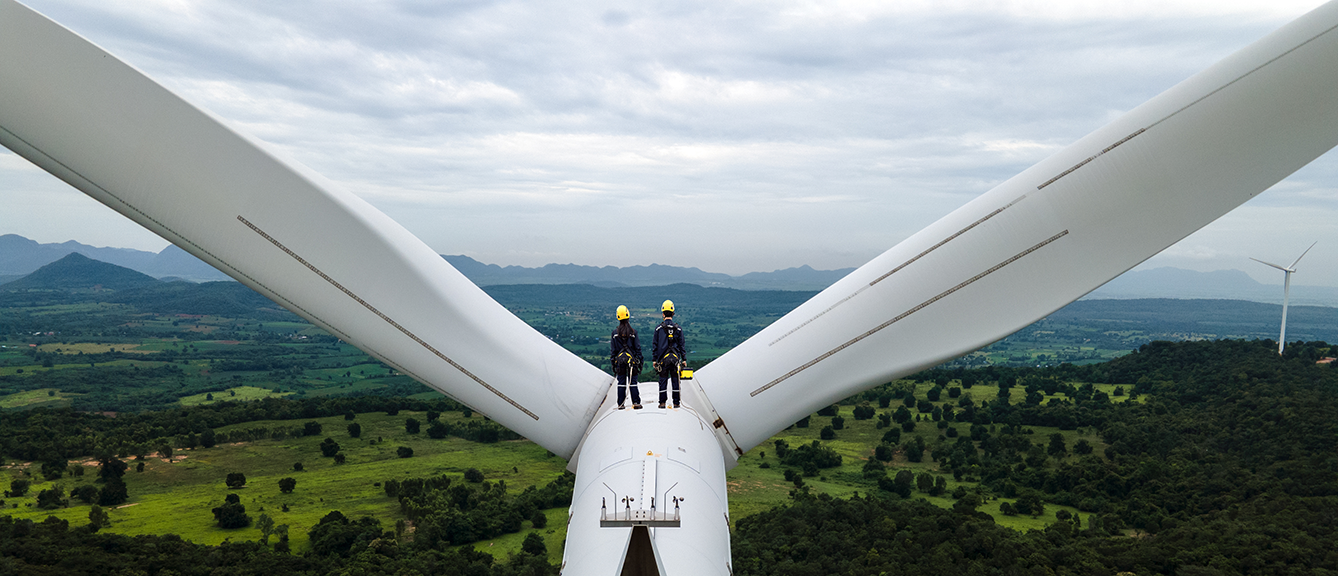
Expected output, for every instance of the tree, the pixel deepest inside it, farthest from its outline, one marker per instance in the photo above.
(113, 492)
(404, 452)
(311, 429)
(534, 544)
(1056, 447)
(18, 487)
(838, 423)
(968, 503)
(924, 482)
(54, 468)
(539, 519)
(355, 430)
(940, 486)
(329, 447)
(232, 514)
(901, 415)
(873, 469)
(52, 498)
(908, 426)
(1083, 447)
(340, 458)
(411, 425)
(864, 411)
(208, 439)
(474, 475)
(86, 493)
(266, 526)
(827, 433)
(165, 451)
(286, 485)
(350, 415)
(98, 518)
(297, 466)
(437, 430)
(883, 452)
(433, 415)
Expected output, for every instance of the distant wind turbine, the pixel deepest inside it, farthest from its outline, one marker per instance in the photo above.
(1286, 292)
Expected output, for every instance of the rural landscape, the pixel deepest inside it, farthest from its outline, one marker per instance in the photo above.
(154, 427)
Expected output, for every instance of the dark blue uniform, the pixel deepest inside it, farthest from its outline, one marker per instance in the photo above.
(630, 344)
(669, 353)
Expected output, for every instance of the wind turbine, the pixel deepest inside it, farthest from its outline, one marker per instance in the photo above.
(650, 493)
(1286, 292)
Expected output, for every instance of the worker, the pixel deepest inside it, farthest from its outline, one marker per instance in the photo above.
(669, 354)
(625, 356)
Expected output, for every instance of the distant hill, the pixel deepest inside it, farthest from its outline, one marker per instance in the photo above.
(1219, 284)
(20, 256)
(76, 272)
(232, 299)
(803, 278)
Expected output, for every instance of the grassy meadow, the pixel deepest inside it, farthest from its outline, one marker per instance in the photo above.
(177, 496)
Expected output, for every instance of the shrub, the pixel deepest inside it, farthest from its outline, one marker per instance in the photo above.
(411, 425)
(286, 485)
(329, 447)
(235, 480)
(838, 423)
(404, 451)
(354, 430)
(474, 475)
(311, 429)
(827, 433)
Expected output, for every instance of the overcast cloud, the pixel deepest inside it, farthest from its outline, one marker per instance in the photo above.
(766, 134)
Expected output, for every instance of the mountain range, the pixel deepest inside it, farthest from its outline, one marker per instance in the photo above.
(1219, 284)
(20, 256)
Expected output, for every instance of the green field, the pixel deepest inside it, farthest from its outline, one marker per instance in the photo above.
(176, 497)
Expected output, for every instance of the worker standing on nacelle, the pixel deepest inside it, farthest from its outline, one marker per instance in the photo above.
(669, 354)
(625, 356)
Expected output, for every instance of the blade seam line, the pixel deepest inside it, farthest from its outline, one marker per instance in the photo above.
(899, 268)
(903, 315)
(382, 315)
(180, 236)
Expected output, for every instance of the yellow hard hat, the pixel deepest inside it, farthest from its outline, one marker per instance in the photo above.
(623, 314)
(668, 306)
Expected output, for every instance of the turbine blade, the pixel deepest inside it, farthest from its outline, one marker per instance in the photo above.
(1271, 264)
(113, 133)
(1298, 258)
(1047, 236)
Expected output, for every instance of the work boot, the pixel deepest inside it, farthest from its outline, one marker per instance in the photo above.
(661, 405)
(620, 406)
(636, 406)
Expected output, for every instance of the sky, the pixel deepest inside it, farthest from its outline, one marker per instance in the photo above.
(728, 136)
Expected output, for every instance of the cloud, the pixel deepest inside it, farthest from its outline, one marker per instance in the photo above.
(777, 133)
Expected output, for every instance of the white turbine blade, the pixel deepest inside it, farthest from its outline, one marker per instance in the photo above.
(113, 133)
(1047, 236)
(1298, 258)
(1272, 264)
